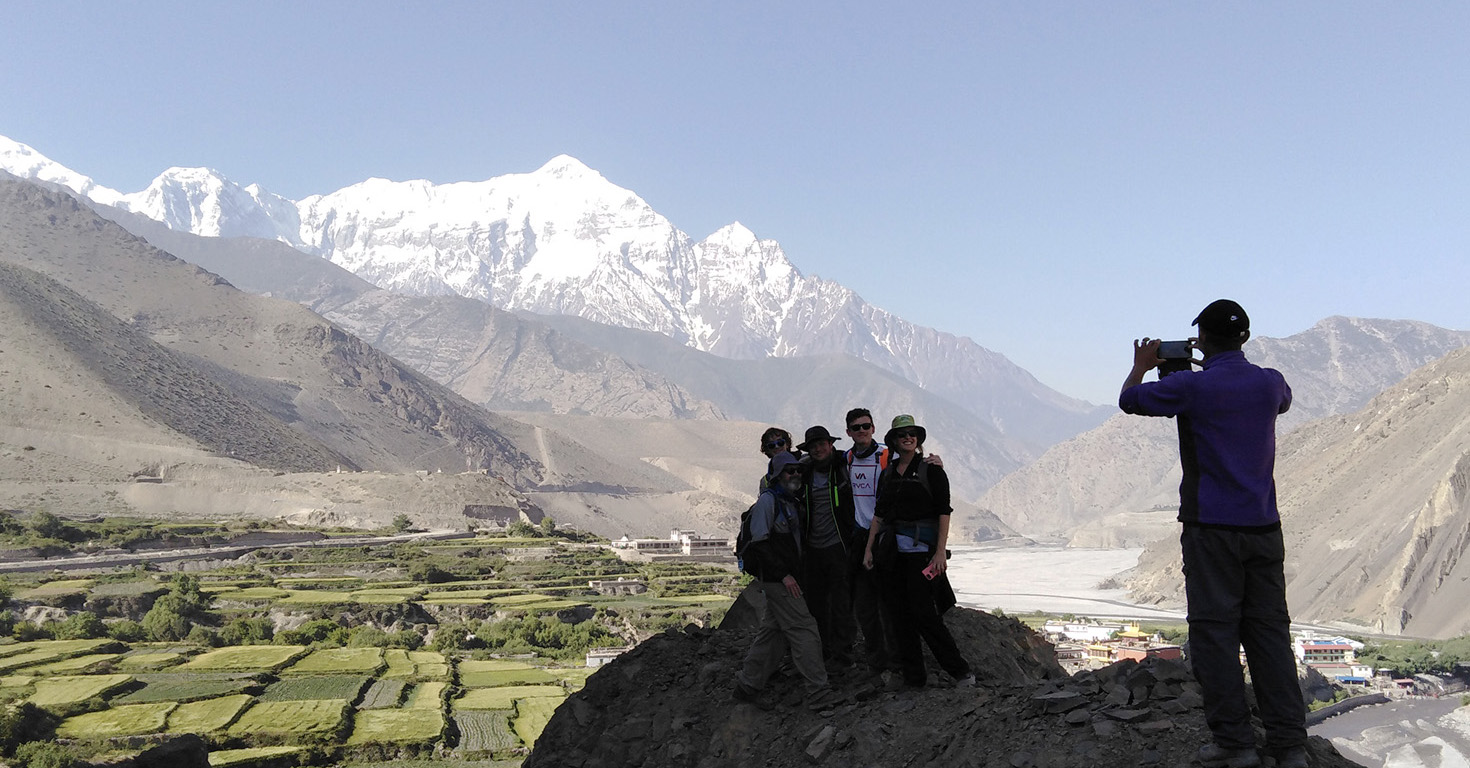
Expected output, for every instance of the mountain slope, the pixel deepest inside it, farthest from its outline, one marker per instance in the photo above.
(563, 240)
(1130, 465)
(493, 358)
(565, 364)
(332, 387)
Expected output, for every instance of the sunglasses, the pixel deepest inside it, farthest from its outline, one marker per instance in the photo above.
(791, 471)
(860, 427)
(779, 442)
(902, 433)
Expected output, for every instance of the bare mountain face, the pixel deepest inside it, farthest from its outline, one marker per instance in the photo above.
(565, 241)
(350, 400)
(1375, 506)
(491, 357)
(563, 364)
(1117, 485)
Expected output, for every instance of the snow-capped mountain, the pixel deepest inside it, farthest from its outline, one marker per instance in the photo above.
(565, 240)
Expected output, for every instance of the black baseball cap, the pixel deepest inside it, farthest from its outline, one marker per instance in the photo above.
(1223, 318)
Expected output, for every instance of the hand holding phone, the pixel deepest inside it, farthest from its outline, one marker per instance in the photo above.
(930, 571)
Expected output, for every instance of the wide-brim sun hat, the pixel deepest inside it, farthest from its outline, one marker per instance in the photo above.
(903, 421)
(816, 435)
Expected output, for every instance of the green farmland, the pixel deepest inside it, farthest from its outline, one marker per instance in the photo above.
(458, 654)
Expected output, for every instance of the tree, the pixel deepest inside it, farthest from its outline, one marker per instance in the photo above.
(248, 630)
(173, 615)
(79, 626)
(402, 523)
(520, 529)
(548, 526)
(24, 723)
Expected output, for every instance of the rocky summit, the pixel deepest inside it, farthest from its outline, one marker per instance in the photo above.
(668, 703)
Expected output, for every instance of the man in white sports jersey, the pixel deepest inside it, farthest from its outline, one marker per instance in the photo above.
(865, 461)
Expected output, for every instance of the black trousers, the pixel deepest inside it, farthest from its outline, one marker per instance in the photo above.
(910, 600)
(827, 595)
(867, 605)
(1236, 588)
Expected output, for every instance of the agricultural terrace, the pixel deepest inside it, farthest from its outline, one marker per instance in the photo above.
(344, 654)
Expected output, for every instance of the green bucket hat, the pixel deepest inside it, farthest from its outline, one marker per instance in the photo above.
(903, 421)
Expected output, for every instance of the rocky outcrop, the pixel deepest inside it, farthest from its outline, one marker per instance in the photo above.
(667, 703)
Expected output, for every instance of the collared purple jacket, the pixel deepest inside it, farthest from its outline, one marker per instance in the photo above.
(1227, 437)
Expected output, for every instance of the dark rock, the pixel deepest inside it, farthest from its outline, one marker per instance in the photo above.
(1128, 715)
(817, 750)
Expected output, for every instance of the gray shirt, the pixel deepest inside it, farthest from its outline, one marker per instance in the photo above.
(824, 524)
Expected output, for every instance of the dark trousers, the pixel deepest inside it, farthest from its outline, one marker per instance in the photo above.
(1236, 589)
(910, 600)
(827, 595)
(867, 605)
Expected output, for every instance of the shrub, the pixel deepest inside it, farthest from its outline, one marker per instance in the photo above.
(80, 626)
(127, 630)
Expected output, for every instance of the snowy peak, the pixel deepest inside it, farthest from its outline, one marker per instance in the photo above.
(23, 161)
(204, 202)
(567, 167)
(734, 237)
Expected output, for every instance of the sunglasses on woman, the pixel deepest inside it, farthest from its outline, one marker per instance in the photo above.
(779, 442)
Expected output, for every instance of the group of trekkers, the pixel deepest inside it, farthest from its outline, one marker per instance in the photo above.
(860, 535)
(842, 540)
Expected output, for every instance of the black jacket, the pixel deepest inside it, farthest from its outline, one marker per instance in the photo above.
(840, 486)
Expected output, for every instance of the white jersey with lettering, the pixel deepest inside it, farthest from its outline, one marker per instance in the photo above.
(863, 473)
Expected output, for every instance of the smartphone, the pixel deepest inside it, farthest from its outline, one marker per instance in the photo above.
(1175, 350)
(930, 571)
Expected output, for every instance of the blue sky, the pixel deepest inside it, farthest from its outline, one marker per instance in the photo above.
(1050, 179)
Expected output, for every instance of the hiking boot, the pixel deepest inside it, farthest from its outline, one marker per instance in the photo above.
(1296, 757)
(1213, 755)
(745, 693)
(827, 698)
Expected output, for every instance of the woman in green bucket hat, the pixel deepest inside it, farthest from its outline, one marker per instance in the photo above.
(906, 544)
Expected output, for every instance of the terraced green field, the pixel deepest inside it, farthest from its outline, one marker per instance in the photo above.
(384, 694)
(426, 696)
(505, 698)
(339, 661)
(184, 687)
(226, 758)
(69, 689)
(344, 688)
(292, 719)
(128, 720)
(532, 715)
(209, 715)
(245, 658)
(396, 726)
(486, 730)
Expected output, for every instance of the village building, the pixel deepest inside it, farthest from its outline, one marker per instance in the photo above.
(681, 545)
(619, 586)
(597, 657)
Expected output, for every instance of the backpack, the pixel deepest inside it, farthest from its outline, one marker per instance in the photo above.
(742, 539)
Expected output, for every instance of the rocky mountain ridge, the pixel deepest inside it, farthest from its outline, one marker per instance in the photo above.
(1099, 488)
(563, 240)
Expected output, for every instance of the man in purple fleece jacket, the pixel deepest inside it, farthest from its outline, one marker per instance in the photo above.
(1233, 550)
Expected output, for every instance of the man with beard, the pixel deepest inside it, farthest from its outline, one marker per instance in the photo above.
(773, 557)
(827, 506)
